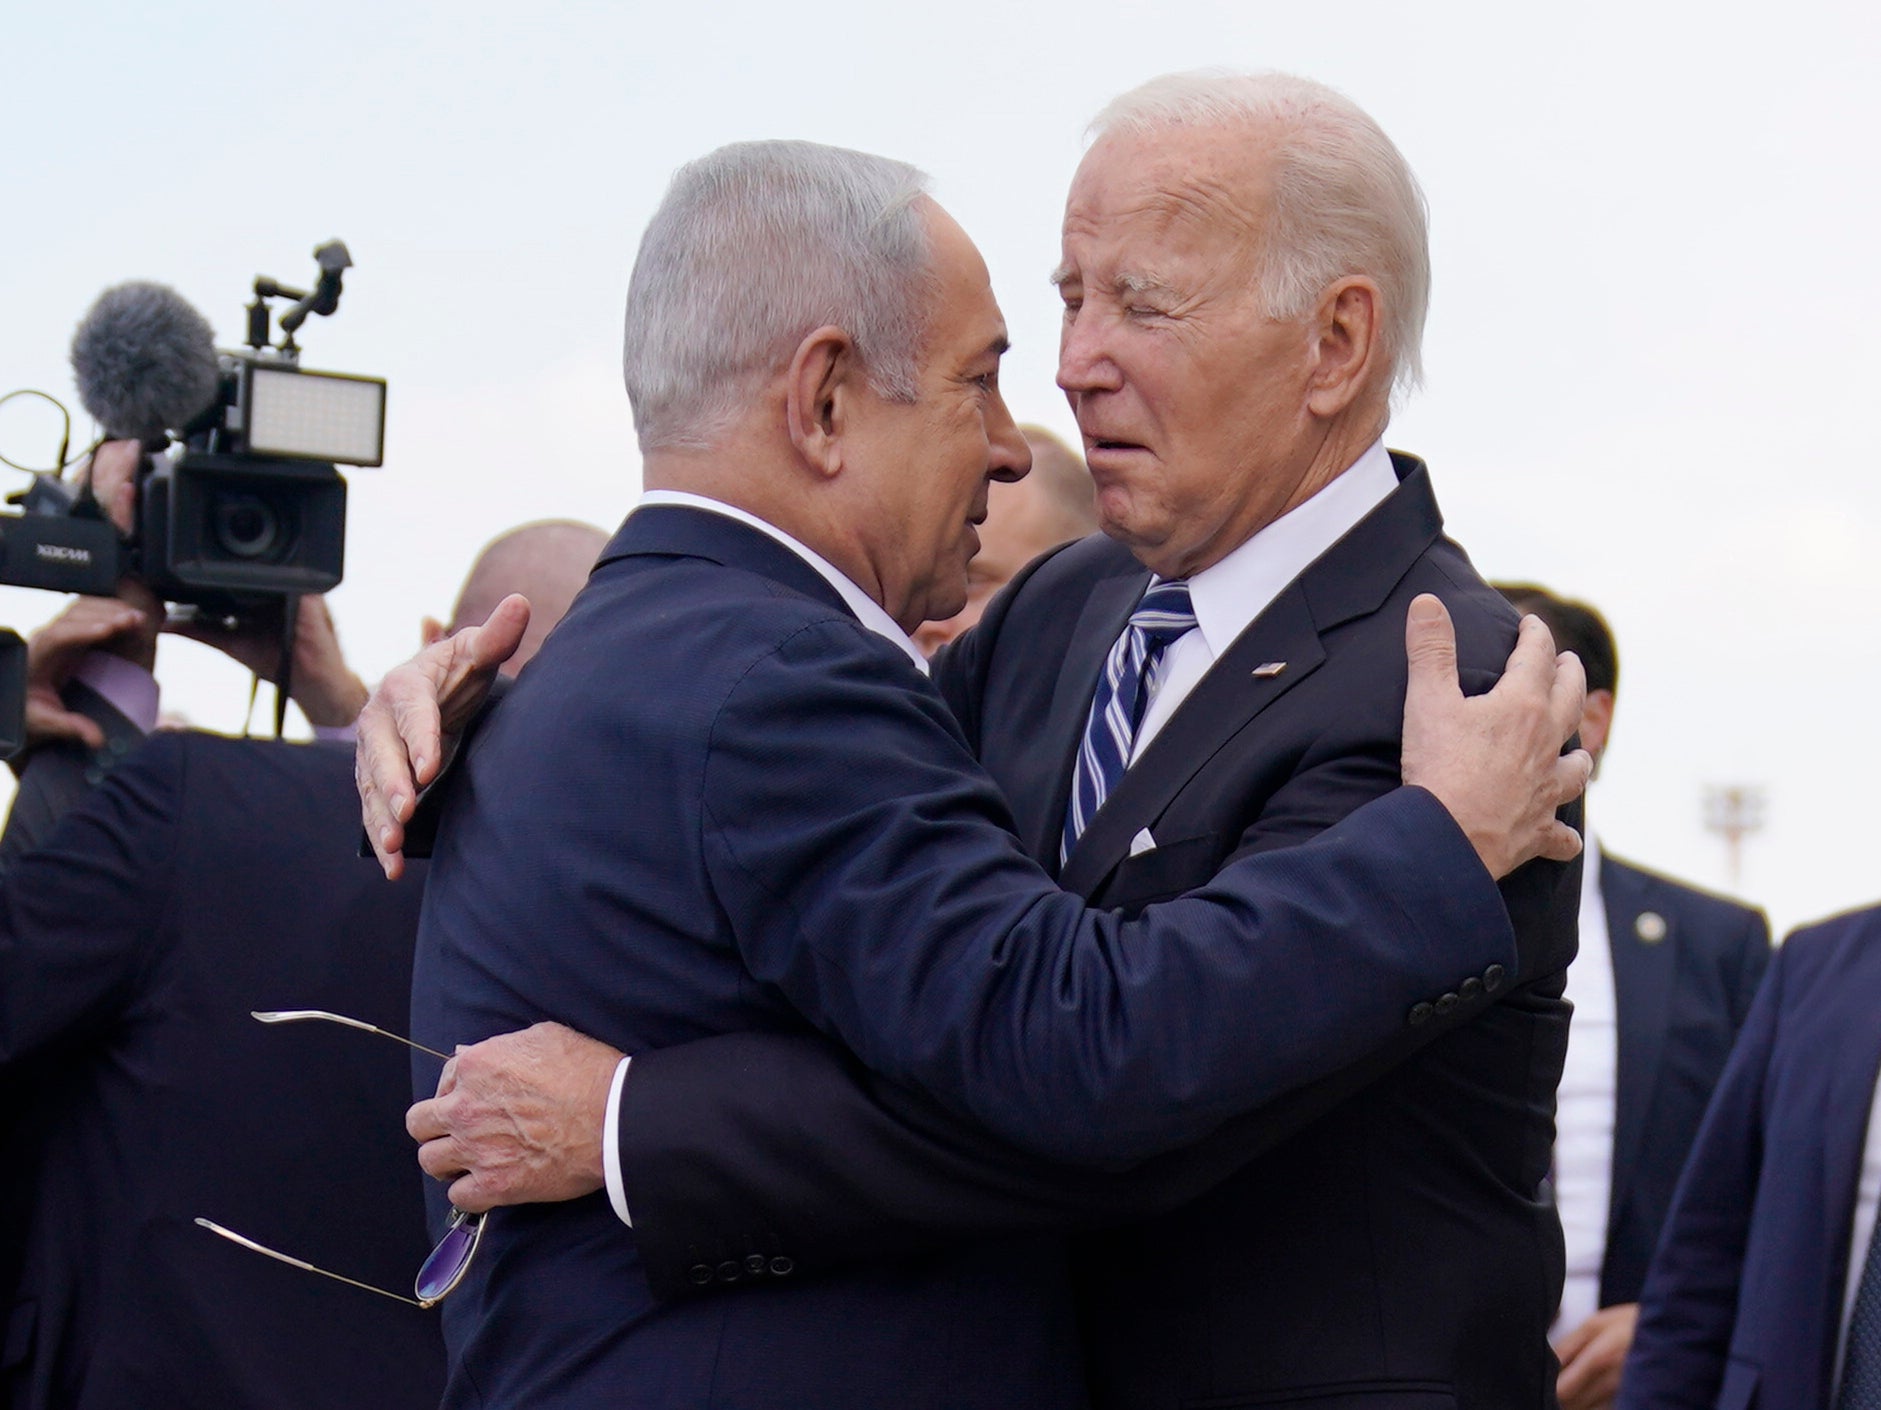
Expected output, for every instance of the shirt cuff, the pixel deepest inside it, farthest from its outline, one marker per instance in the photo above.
(610, 1147)
(335, 734)
(123, 685)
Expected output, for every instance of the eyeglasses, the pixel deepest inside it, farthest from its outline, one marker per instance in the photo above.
(449, 1261)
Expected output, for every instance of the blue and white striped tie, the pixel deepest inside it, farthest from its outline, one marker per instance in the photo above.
(1131, 675)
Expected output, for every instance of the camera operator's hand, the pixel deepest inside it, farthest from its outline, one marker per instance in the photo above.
(112, 475)
(124, 627)
(321, 683)
(403, 729)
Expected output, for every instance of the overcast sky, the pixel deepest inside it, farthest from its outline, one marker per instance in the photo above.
(1651, 357)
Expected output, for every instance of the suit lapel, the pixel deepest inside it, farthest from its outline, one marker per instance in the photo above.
(1642, 982)
(1222, 704)
(1349, 580)
(1854, 1058)
(1106, 611)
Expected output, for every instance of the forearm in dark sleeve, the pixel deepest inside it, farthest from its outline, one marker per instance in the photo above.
(784, 1144)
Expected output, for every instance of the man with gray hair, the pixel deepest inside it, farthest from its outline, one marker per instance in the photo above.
(726, 801)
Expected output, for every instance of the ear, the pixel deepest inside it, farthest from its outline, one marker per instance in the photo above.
(431, 631)
(1348, 345)
(822, 382)
(1596, 722)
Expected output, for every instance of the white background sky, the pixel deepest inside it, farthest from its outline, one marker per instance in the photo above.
(1652, 363)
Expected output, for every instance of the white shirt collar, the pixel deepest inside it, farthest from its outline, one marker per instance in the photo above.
(1230, 594)
(1590, 868)
(868, 611)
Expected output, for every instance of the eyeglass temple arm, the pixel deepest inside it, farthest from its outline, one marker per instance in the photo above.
(305, 1266)
(321, 1015)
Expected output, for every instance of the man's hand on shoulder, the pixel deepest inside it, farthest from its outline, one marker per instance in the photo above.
(518, 1119)
(1495, 761)
(406, 725)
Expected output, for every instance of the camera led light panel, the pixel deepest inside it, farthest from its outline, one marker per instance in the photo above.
(316, 416)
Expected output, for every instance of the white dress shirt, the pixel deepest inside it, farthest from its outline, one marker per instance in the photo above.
(869, 612)
(1232, 593)
(1584, 1106)
(1867, 1198)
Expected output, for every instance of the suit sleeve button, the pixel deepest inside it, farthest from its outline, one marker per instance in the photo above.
(1493, 977)
(1421, 1014)
(1471, 989)
(754, 1264)
(730, 1271)
(699, 1274)
(783, 1266)
(1446, 1003)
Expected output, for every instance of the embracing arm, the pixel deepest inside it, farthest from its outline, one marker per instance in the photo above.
(785, 1144)
(747, 1141)
(893, 915)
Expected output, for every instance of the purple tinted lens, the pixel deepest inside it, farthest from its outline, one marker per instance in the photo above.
(449, 1260)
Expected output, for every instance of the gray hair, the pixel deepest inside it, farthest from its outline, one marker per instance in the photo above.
(1344, 200)
(755, 246)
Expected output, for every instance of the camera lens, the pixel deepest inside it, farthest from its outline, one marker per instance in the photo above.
(247, 526)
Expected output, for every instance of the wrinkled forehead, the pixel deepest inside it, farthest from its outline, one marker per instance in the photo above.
(1176, 187)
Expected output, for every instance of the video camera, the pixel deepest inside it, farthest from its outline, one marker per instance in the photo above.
(240, 502)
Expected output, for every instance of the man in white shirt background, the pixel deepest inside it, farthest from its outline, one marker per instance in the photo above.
(1663, 981)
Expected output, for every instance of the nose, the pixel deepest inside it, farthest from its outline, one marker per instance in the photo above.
(1009, 458)
(1084, 361)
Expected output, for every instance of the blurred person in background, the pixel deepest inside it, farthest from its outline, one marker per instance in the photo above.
(1052, 505)
(1765, 1290)
(1664, 979)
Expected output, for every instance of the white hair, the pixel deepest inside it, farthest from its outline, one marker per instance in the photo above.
(755, 246)
(1344, 199)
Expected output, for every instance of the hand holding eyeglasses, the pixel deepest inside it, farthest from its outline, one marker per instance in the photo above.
(447, 1264)
(518, 1119)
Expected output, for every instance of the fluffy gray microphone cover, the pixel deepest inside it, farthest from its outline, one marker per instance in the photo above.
(144, 360)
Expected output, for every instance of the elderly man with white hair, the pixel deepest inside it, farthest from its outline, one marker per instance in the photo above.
(1208, 686)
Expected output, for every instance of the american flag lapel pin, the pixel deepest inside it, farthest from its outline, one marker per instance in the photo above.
(1267, 670)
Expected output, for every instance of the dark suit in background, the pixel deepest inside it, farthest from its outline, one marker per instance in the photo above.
(1744, 1302)
(717, 803)
(1683, 985)
(1393, 1252)
(205, 878)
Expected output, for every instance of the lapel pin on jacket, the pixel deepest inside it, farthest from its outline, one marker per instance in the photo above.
(1650, 927)
(1269, 669)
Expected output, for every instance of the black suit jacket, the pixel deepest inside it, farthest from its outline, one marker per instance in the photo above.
(205, 878)
(1683, 985)
(1394, 1251)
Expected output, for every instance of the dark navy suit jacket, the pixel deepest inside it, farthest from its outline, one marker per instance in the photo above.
(205, 878)
(1743, 1305)
(716, 803)
(1683, 987)
(1394, 1250)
